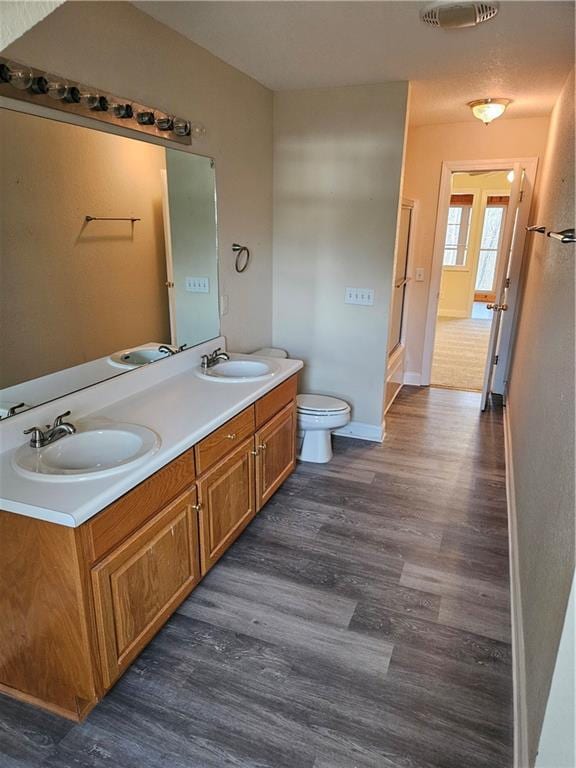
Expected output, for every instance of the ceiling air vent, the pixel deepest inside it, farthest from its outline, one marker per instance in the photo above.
(448, 15)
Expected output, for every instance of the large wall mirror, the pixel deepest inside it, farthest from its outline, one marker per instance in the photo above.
(108, 256)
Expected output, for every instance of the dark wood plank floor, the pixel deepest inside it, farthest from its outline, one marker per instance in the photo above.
(362, 621)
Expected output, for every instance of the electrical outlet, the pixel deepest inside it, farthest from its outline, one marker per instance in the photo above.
(364, 296)
(419, 277)
(198, 284)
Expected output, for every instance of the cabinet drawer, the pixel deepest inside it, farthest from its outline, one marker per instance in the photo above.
(274, 401)
(138, 586)
(225, 439)
(123, 517)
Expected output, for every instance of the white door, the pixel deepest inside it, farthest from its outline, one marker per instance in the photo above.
(511, 257)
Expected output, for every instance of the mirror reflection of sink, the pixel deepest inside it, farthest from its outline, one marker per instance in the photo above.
(137, 356)
(97, 451)
(236, 371)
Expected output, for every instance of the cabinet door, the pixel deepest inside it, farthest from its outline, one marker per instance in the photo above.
(226, 495)
(141, 583)
(276, 449)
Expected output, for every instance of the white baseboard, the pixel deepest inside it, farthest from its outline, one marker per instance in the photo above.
(361, 431)
(521, 756)
(412, 378)
(460, 313)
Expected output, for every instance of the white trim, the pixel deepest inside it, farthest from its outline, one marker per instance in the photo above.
(518, 650)
(361, 431)
(413, 378)
(448, 167)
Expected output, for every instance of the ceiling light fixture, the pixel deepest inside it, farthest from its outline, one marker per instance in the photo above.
(487, 110)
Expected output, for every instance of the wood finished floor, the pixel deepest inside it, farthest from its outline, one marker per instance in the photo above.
(362, 621)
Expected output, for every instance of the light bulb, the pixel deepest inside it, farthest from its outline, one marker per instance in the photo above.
(57, 89)
(20, 77)
(164, 122)
(121, 109)
(197, 130)
(39, 85)
(181, 126)
(89, 99)
(145, 117)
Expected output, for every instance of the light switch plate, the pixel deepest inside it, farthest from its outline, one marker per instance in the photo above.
(198, 284)
(364, 296)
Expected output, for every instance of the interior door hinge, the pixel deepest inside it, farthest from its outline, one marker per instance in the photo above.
(521, 195)
(507, 283)
(495, 360)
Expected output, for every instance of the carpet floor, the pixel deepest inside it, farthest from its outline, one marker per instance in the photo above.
(460, 352)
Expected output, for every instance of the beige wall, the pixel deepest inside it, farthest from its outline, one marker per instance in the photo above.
(428, 146)
(71, 291)
(114, 46)
(457, 285)
(337, 173)
(541, 416)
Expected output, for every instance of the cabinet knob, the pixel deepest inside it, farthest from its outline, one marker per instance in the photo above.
(231, 436)
(196, 507)
(262, 447)
(256, 452)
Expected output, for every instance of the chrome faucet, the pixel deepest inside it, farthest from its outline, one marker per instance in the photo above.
(59, 429)
(209, 361)
(171, 350)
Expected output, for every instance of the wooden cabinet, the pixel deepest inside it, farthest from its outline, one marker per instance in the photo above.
(227, 502)
(140, 583)
(79, 604)
(276, 453)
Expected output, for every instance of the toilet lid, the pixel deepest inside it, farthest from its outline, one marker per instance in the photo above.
(320, 403)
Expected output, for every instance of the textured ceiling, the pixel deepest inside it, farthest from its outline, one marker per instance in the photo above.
(524, 53)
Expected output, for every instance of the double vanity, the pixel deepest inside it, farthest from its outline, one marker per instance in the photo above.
(106, 530)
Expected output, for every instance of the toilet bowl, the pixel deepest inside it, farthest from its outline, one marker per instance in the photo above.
(318, 416)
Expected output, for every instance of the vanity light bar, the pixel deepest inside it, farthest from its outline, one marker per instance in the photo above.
(24, 83)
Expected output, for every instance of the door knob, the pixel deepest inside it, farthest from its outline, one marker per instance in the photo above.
(497, 307)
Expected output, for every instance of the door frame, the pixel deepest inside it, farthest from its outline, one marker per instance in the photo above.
(530, 165)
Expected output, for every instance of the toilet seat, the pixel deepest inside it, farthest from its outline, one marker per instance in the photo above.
(320, 404)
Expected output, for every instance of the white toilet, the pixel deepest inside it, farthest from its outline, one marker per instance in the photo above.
(318, 417)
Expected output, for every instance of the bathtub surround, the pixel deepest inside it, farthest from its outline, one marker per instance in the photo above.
(236, 110)
(338, 156)
(541, 426)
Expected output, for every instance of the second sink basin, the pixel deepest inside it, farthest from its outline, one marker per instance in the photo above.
(238, 371)
(100, 450)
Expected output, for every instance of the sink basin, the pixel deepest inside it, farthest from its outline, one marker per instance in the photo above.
(134, 358)
(94, 452)
(238, 371)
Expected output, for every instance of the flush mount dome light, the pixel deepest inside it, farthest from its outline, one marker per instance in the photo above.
(458, 15)
(488, 109)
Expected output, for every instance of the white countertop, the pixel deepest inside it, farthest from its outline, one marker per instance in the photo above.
(182, 409)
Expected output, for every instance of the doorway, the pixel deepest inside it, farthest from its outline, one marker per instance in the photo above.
(473, 238)
(478, 248)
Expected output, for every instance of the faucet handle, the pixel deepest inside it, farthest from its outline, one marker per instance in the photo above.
(59, 419)
(37, 439)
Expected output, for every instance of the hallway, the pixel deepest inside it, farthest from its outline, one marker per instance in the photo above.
(361, 621)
